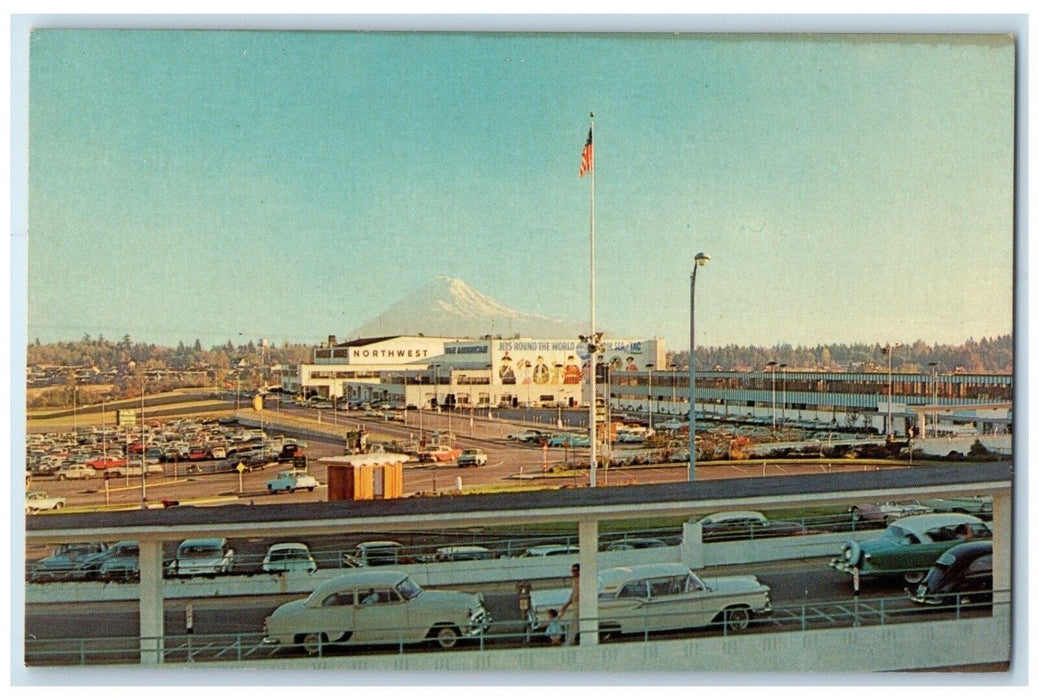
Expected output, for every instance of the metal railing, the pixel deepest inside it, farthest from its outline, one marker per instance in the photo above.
(210, 648)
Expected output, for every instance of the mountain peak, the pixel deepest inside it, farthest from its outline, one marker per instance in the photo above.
(448, 307)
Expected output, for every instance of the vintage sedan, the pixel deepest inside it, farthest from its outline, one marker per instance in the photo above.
(65, 563)
(376, 607)
(288, 556)
(961, 576)
(122, 564)
(887, 512)
(909, 546)
(441, 453)
(206, 556)
(658, 597)
(36, 501)
(472, 458)
(746, 525)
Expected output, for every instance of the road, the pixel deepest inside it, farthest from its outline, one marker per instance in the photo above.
(801, 587)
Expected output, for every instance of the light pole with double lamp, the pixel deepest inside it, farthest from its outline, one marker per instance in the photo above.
(700, 260)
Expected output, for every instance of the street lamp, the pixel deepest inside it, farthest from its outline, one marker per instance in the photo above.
(772, 366)
(649, 396)
(782, 369)
(673, 368)
(699, 261)
(889, 351)
(934, 399)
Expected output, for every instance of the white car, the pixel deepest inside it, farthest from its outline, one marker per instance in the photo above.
(668, 596)
(35, 501)
(205, 556)
(291, 481)
(377, 606)
(78, 471)
(288, 556)
(472, 458)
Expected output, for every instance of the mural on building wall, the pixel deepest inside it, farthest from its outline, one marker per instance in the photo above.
(563, 362)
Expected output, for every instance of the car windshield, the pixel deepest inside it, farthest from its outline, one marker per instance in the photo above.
(894, 533)
(286, 554)
(408, 589)
(200, 552)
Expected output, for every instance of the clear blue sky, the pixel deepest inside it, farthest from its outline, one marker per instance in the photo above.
(244, 185)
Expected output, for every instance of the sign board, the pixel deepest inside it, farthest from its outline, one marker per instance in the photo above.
(125, 416)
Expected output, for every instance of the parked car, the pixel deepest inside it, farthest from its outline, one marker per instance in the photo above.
(629, 543)
(441, 453)
(102, 463)
(376, 607)
(668, 596)
(746, 525)
(288, 556)
(376, 553)
(77, 471)
(980, 506)
(205, 556)
(550, 550)
(291, 481)
(472, 458)
(909, 546)
(134, 470)
(568, 440)
(886, 512)
(122, 564)
(36, 501)
(463, 553)
(529, 435)
(64, 562)
(961, 575)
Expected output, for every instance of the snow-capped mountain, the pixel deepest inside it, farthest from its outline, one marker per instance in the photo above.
(449, 307)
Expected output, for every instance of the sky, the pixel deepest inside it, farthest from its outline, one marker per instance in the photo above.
(233, 185)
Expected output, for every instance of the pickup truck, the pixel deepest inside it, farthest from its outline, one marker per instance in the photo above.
(291, 481)
(35, 501)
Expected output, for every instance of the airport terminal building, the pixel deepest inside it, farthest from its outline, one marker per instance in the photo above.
(462, 372)
(428, 372)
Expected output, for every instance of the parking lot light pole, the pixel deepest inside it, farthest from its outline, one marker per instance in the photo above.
(782, 368)
(699, 261)
(649, 393)
(772, 367)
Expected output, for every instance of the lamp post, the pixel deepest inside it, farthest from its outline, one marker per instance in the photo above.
(649, 394)
(772, 367)
(699, 261)
(934, 398)
(75, 418)
(889, 350)
(673, 368)
(782, 423)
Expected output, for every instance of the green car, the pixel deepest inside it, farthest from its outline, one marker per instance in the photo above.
(909, 546)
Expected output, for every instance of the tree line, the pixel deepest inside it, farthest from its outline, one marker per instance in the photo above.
(985, 356)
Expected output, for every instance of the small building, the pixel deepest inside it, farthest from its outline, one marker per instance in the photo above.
(365, 477)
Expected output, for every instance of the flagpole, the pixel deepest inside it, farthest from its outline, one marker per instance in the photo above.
(594, 341)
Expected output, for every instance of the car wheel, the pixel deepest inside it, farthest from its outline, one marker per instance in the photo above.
(270, 489)
(310, 488)
(446, 637)
(914, 576)
(313, 643)
(736, 619)
(59, 506)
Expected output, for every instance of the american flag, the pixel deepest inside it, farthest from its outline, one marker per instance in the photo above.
(587, 156)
